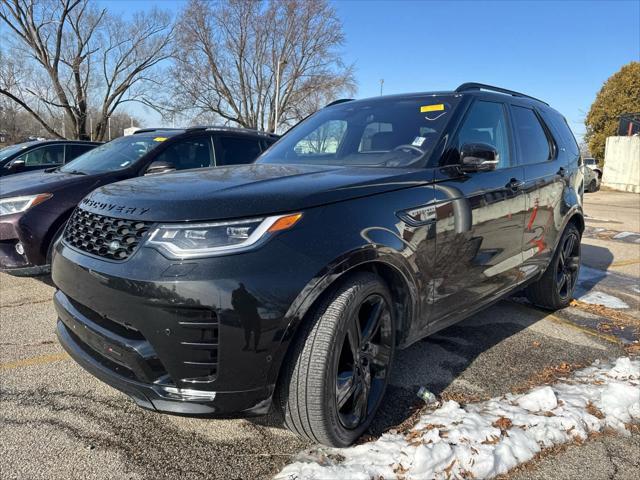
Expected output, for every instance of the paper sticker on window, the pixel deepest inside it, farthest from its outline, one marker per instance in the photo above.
(439, 107)
(159, 139)
(418, 141)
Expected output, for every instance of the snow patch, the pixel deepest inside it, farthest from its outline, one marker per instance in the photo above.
(486, 439)
(601, 298)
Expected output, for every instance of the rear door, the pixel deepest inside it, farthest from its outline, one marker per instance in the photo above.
(545, 173)
(479, 218)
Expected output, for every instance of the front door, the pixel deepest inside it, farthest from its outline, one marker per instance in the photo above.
(479, 219)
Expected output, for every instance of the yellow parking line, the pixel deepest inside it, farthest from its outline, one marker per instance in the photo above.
(624, 263)
(28, 362)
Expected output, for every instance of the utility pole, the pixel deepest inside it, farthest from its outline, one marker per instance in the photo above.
(275, 120)
(91, 128)
(381, 84)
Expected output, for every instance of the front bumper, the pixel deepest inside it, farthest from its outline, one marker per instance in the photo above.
(161, 398)
(196, 338)
(14, 229)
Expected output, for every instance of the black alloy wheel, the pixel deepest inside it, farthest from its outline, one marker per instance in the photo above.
(568, 265)
(364, 362)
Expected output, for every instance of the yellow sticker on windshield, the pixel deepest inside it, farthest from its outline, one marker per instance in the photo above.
(432, 108)
(159, 139)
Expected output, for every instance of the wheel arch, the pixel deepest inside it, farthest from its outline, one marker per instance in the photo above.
(53, 229)
(389, 265)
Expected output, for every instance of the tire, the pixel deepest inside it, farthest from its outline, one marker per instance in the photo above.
(554, 290)
(593, 186)
(54, 239)
(321, 359)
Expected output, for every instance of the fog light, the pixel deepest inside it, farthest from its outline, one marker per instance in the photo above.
(19, 248)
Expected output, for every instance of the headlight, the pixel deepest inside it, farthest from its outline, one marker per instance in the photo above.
(220, 238)
(20, 204)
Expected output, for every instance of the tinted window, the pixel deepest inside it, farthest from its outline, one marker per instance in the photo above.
(486, 123)
(115, 155)
(8, 151)
(385, 132)
(534, 144)
(44, 156)
(561, 131)
(189, 153)
(73, 151)
(236, 150)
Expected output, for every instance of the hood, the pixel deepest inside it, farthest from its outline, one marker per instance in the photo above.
(31, 183)
(243, 191)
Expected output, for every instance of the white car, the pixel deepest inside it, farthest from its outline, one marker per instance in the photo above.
(592, 163)
(591, 179)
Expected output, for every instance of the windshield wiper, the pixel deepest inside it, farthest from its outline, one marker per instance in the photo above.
(51, 169)
(75, 172)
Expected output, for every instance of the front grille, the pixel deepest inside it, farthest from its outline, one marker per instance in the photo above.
(108, 237)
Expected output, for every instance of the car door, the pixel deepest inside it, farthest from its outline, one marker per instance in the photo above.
(479, 218)
(545, 173)
(236, 149)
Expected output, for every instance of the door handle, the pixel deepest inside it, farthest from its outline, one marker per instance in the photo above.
(515, 184)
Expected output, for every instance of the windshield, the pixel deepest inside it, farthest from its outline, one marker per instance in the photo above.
(115, 155)
(388, 132)
(6, 152)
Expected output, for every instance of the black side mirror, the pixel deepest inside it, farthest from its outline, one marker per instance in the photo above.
(16, 165)
(479, 157)
(159, 166)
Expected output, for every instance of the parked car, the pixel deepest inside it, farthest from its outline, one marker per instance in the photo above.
(289, 284)
(34, 207)
(38, 155)
(592, 163)
(591, 180)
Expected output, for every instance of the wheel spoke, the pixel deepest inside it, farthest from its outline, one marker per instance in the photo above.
(373, 322)
(355, 338)
(568, 247)
(573, 263)
(362, 399)
(562, 282)
(345, 387)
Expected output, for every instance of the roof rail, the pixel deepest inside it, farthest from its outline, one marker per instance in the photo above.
(147, 130)
(340, 100)
(465, 87)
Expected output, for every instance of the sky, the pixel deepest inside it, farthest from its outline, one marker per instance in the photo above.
(559, 51)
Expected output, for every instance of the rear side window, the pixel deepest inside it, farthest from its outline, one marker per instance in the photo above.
(189, 153)
(533, 141)
(73, 151)
(561, 129)
(236, 150)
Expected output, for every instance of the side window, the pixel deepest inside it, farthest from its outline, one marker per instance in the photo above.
(373, 137)
(189, 153)
(486, 122)
(73, 151)
(533, 141)
(237, 150)
(45, 156)
(324, 140)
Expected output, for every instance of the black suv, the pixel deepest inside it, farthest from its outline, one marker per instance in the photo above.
(34, 207)
(289, 283)
(41, 154)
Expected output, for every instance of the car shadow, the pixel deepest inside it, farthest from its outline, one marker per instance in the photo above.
(46, 279)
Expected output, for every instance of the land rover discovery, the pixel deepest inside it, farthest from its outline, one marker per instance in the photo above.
(286, 286)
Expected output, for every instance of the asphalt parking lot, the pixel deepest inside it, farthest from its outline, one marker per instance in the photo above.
(57, 421)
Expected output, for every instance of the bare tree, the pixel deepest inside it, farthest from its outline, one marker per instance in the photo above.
(67, 57)
(259, 64)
